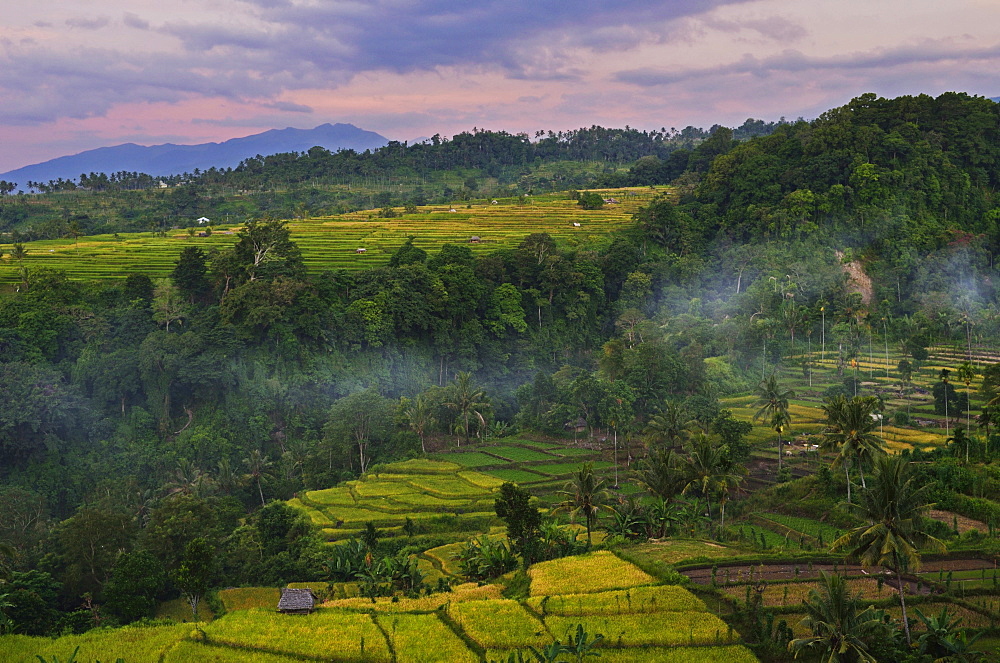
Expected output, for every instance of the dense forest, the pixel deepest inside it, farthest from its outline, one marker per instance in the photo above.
(138, 417)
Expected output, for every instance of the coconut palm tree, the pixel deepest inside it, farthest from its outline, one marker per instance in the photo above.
(966, 373)
(706, 470)
(584, 494)
(850, 426)
(840, 627)
(985, 420)
(258, 469)
(668, 426)
(893, 509)
(468, 400)
(771, 399)
(660, 473)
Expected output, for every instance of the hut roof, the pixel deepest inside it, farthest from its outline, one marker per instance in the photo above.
(296, 599)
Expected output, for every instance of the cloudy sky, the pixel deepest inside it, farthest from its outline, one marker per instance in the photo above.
(79, 74)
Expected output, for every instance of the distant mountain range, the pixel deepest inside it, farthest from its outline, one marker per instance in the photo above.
(170, 159)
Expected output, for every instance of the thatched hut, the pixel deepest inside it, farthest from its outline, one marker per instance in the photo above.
(297, 601)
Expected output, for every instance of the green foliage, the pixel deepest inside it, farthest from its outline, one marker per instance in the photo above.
(196, 573)
(523, 520)
(136, 581)
(590, 200)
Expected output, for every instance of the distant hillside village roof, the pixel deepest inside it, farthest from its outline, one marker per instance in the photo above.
(297, 601)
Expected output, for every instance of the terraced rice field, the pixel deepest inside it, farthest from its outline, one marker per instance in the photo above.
(644, 622)
(417, 489)
(329, 243)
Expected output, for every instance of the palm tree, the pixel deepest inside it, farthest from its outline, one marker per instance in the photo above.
(839, 626)
(188, 479)
(660, 473)
(893, 508)
(985, 420)
(584, 494)
(668, 426)
(850, 425)
(706, 470)
(420, 417)
(958, 440)
(468, 400)
(771, 399)
(258, 468)
(966, 373)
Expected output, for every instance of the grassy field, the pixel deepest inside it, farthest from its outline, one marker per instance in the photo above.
(332, 242)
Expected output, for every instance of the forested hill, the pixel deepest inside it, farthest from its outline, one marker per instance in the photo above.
(875, 167)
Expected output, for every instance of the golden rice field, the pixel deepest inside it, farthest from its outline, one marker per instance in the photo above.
(636, 600)
(331, 634)
(665, 629)
(594, 572)
(410, 635)
(499, 624)
(179, 610)
(189, 650)
(244, 598)
(460, 593)
(729, 654)
(332, 242)
(643, 623)
(129, 643)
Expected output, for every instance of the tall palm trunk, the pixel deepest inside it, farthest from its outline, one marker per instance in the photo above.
(779, 452)
(847, 473)
(902, 604)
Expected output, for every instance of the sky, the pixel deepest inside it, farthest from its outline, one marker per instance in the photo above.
(80, 74)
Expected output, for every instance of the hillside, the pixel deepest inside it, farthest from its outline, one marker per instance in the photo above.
(690, 382)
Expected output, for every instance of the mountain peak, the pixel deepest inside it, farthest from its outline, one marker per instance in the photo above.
(172, 159)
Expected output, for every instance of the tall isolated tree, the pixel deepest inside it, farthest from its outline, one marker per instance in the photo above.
(893, 508)
(360, 419)
(850, 427)
(264, 250)
(772, 399)
(585, 494)
(196, 573)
